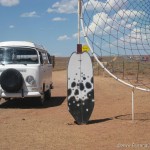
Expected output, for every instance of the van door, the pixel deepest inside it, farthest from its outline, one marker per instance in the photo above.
(42, 71)
(47, 69)
(50, 68)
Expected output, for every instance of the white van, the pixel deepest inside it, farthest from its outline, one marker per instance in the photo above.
(25, 71)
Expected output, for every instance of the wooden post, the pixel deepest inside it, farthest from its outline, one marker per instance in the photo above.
(98, 66)
(112, 65)
(132, 104)
(79, 48)
(137, 78)
(123, 69)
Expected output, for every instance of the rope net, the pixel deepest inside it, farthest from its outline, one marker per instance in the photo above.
(118, 34)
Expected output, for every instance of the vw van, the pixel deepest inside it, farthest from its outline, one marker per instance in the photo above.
(25, 71)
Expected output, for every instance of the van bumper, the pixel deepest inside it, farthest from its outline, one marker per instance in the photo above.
(19, 95)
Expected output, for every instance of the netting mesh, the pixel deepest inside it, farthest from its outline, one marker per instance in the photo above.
(118, 32)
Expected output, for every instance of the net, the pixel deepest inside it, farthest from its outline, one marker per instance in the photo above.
(118, 34)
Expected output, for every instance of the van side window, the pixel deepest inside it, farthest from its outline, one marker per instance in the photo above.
(45, 59)
(41, 58)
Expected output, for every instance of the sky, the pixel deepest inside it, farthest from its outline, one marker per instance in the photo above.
(51, 23)
(112, 26)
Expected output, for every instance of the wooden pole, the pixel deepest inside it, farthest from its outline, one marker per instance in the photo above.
(132, 104)
(123, 69)
(137, 78)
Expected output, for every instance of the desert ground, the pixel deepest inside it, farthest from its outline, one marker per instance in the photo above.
(24, 125)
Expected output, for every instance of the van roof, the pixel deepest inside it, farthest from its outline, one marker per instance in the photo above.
(21, 43)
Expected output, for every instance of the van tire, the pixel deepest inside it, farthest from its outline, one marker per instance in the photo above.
(7, 99)
(11, 80)
(42, 99)
(47, 95)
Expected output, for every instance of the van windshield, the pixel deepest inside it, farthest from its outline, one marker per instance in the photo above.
(18, 55)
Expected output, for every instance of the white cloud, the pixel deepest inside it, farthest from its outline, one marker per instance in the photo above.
(30, 14)
(102, 23)
(9, 3)
(63, 38)
(94, 4)
(59, 19)
(134, 43)
(75, 35)
(107, 6)
(137, 35)
(128, 14)
(11, 26)
(50, 10)
(64, 6)
(101, 20)
(115, 4)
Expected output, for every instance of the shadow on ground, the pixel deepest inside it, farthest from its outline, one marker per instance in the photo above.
(91, 121)
(29, 103)
(137, 116)
(99, 120)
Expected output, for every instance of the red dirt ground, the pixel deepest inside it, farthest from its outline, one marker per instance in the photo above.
(26, 126)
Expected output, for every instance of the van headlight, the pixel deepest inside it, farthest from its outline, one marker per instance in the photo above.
(30, 80)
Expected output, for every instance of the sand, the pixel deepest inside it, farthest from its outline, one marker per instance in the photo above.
(24, 125)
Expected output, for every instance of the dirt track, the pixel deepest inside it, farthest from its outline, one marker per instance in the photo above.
(26, 126)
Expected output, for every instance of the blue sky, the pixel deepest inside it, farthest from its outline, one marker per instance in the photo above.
(51, 23)
(114, 27)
